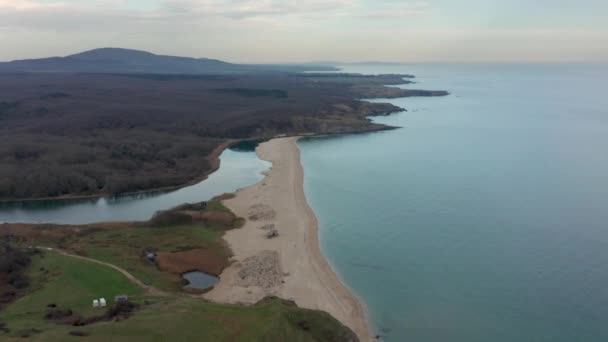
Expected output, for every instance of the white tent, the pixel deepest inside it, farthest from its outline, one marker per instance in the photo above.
(102, 302)
(95, 303)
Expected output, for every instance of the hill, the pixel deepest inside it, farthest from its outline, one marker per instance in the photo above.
(116, 60)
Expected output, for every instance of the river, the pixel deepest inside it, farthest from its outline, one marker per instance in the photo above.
(238, 169)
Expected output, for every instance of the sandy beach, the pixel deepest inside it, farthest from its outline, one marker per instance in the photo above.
(277, 251)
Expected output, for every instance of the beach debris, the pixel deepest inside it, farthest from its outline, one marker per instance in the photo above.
(273, 233)
(261, 212)
(262, 270)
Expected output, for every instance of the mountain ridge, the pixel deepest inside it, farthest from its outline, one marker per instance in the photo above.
(121, 60)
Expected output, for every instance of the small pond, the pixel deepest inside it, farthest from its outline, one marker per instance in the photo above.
(199, 280)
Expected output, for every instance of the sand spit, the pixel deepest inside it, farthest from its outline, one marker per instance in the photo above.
(290, 264)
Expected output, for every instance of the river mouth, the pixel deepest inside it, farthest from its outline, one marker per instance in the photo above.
(247, 145)
(198, 280)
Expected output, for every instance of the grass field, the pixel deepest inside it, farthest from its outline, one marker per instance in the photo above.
(124, 248)
(124, 244)
(192, 320)
(73, 283)
(68, 283)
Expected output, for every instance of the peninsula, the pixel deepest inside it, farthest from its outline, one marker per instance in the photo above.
(70, 134)
(77, 128)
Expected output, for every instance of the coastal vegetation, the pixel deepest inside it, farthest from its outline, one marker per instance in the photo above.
(58, 305)
(72, 265)
(182, 239)
(13, 264)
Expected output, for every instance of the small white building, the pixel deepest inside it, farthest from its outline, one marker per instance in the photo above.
(102, 302)
(95, 303)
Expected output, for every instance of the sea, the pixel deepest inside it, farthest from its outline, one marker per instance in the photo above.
(485, 217)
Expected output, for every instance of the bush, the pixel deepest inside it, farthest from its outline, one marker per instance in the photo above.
(170, 218)
(13, 263)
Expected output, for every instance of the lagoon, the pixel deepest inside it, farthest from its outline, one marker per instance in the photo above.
(239, 168)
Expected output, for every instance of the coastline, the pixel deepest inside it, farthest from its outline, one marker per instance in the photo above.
(291, 265)
(214, 159)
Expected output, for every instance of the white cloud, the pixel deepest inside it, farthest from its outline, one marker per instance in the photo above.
(78, 10)
(27, 5)
(273, 30)
(177, 15)
(239, 9)
(396, 10)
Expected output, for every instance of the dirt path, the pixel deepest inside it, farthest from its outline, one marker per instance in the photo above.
(150, 290)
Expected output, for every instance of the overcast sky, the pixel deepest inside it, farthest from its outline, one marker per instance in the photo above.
(312, 30)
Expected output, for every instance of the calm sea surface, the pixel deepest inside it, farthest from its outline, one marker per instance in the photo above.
(485, 218)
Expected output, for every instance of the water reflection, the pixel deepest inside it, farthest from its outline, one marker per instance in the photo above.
(199, 280)
(238, 169)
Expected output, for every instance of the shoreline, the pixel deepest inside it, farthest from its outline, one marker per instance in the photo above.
(214, 158)
(291, 265)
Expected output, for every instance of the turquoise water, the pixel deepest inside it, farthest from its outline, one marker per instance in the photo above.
(238, 169)
(485, 218)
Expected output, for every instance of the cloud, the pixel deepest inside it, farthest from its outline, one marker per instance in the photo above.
(39, 11)
(287, 30)
(27, 5)
(178, 15)
(397, 10)
(242, 9)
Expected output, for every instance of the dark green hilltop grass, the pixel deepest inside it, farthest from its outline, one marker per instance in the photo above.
(71, 283)
(68, 283)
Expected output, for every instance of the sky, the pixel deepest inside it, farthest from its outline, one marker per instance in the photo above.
(263, 31)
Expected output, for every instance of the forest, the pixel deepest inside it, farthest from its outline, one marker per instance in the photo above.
(89, 134)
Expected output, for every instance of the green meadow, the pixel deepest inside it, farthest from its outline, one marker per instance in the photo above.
(71, 283)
